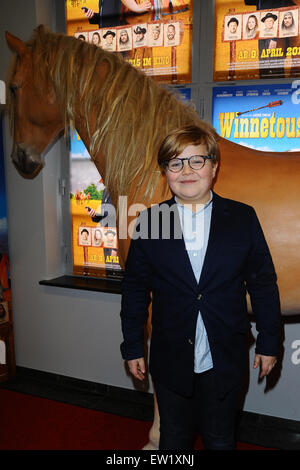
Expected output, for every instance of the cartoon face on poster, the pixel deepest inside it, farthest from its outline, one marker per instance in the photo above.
(252, 42)
(140, 35)
(288, 23)
(269, 25)
(97, 236)
(124, 39)
(109, 41)
(233, 28)
(84, 236)
(95, 38)
(172, 34)
(82, 36)
(154, 36)
(110, 238)
(251, 24)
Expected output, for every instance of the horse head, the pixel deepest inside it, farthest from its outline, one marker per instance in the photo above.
(35, 115)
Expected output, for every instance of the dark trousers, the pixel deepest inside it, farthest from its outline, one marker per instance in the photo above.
(181, 417)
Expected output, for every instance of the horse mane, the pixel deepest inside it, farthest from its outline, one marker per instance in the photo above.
(133, 112)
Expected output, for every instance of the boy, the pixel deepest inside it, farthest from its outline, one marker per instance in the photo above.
(198, 282)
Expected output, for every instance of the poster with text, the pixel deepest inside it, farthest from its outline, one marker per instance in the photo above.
(253, 42)
(263, 117)
(154, 36)
(94, 239)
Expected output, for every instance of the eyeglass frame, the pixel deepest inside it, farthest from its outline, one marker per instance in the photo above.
(205, 157)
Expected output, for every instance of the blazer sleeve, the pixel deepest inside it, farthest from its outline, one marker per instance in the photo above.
(135, 301)
(261, 284)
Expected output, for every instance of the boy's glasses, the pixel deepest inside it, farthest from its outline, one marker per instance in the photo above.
(196, 162)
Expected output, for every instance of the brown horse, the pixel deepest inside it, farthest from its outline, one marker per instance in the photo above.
(122, 116)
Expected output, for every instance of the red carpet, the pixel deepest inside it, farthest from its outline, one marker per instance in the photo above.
(32, 423)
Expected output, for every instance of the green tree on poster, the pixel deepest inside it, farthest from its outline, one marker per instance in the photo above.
(94, 193)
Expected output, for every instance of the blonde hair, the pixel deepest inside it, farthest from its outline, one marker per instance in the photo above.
(174, 143)
(133, 113)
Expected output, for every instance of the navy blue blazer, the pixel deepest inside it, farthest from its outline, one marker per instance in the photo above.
(237, 260)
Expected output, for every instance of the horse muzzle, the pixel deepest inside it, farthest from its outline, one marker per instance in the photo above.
(27, 161)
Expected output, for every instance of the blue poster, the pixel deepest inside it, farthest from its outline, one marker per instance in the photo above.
(185, 94)
(264, 117)
(83, 171)
(3, 211)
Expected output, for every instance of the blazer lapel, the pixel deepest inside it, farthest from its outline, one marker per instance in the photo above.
(177, 245)
(218, 226)
(215, 239)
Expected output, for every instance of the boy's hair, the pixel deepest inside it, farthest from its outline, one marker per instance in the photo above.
(174, 144)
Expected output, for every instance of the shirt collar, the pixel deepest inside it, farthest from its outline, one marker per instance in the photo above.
(186, 206)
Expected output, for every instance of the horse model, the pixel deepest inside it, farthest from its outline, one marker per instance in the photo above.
(122, 117)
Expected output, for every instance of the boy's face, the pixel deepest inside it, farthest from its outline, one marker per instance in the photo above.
(269, 23)
(192, 186)
(232, 27)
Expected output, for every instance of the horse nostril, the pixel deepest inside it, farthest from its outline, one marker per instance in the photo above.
(28, 164)
(21, 158)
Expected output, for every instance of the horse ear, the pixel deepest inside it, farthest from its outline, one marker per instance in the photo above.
(16, 44)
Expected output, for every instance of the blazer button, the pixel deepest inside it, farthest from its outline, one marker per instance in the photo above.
(199, 296)
(190, 341)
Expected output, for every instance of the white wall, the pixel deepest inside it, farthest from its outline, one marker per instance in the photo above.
(77, 333)
(64, 331)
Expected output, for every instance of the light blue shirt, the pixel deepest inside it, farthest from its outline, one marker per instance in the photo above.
(195, 228)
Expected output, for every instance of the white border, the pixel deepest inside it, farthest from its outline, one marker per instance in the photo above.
(2, 92)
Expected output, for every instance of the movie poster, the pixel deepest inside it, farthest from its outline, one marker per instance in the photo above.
(154, 36)
(263, 117)
(5, 289)
(94, 241)
(252, 42)
(3, 212)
